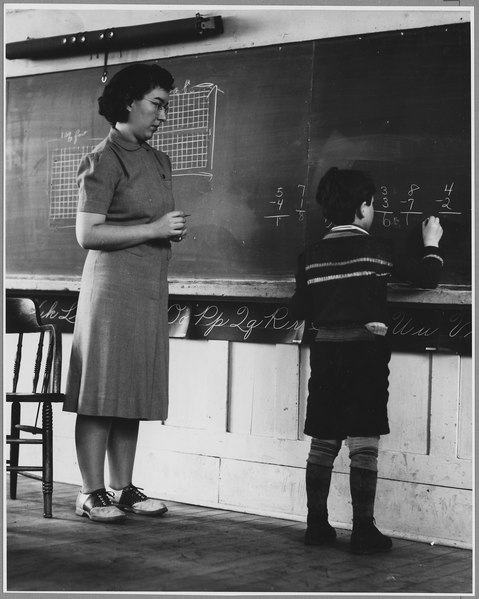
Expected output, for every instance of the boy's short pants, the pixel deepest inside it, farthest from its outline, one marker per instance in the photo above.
(348, 389)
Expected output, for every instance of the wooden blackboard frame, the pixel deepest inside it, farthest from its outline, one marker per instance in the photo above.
(257, 290)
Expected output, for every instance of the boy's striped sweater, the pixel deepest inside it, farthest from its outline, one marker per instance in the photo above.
(341, 281)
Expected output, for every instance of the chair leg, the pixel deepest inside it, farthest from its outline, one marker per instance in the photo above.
(47, 448)
(14, 447)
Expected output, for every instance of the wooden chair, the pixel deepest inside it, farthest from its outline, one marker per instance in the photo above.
(23, 317)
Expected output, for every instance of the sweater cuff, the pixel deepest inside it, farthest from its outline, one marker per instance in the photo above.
(434, 253)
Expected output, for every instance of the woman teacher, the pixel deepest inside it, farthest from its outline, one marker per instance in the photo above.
(119, 362)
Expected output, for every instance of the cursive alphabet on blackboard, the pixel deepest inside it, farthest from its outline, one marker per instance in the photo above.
(245, 326)
(210, 317)
(178, 314)
(461, 325)
(243, 320)
(51, 311)
(279, 320)
(405, 326)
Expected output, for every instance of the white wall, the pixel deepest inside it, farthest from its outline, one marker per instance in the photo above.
(234, 437)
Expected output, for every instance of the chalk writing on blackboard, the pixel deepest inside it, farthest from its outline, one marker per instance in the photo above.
(460, 325)
(188, 137)
(178, 319)
(178, 313)
(244, 322)
(412, 328)
(446, 201)
(410, 208)
(61, 312)
(64, 156)
(280, 197)
(434, 329)
(414, 323)
(404, 324)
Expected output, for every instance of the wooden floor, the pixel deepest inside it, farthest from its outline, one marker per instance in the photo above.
(196, 549)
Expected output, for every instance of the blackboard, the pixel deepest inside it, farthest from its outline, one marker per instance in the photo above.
(265, 124)
(399, 106)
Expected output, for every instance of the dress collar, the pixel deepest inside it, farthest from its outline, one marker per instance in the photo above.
(116, 137)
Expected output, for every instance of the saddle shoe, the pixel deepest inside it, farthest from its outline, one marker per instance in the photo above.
(131, 499)
(98, 506)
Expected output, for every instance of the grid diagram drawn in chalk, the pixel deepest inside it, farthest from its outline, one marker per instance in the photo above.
(187, 137)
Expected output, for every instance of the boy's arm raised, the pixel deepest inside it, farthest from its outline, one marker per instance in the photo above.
(425, 272)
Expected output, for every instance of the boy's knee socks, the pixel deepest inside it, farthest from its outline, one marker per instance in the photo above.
(363, 484)
(365, 537)
(323, 452)
(319, 468)
(363, 452)
(318, 481)
(318, 531)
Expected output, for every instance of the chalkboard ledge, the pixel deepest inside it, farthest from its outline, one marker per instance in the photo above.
(444, 294)
(280, 289)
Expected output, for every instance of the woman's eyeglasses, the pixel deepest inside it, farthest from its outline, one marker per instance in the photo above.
(158, 107)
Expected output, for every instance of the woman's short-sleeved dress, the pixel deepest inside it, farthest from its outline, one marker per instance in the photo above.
(119, 359)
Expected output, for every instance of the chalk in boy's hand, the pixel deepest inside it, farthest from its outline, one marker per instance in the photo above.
(431, 231)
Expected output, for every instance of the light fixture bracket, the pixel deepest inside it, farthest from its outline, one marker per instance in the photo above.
(119, 38)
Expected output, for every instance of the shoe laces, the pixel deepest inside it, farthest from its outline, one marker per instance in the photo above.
(133, 494)
(103, 497)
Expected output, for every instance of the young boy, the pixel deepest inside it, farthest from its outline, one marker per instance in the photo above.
(341, 287)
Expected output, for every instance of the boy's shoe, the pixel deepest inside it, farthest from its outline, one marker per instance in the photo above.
(367, 539)
(98, 506)
(131, 499)
(320, 534)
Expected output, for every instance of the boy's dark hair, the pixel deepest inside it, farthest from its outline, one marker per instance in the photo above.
(131, 83)
(341, 193)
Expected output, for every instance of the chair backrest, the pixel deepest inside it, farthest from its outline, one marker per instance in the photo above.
(22, 315)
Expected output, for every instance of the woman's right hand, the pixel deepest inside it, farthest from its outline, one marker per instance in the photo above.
(431, 231)
(170, 225)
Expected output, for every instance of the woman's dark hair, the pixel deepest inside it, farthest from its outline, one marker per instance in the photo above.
(341, 193)
(131, 83)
